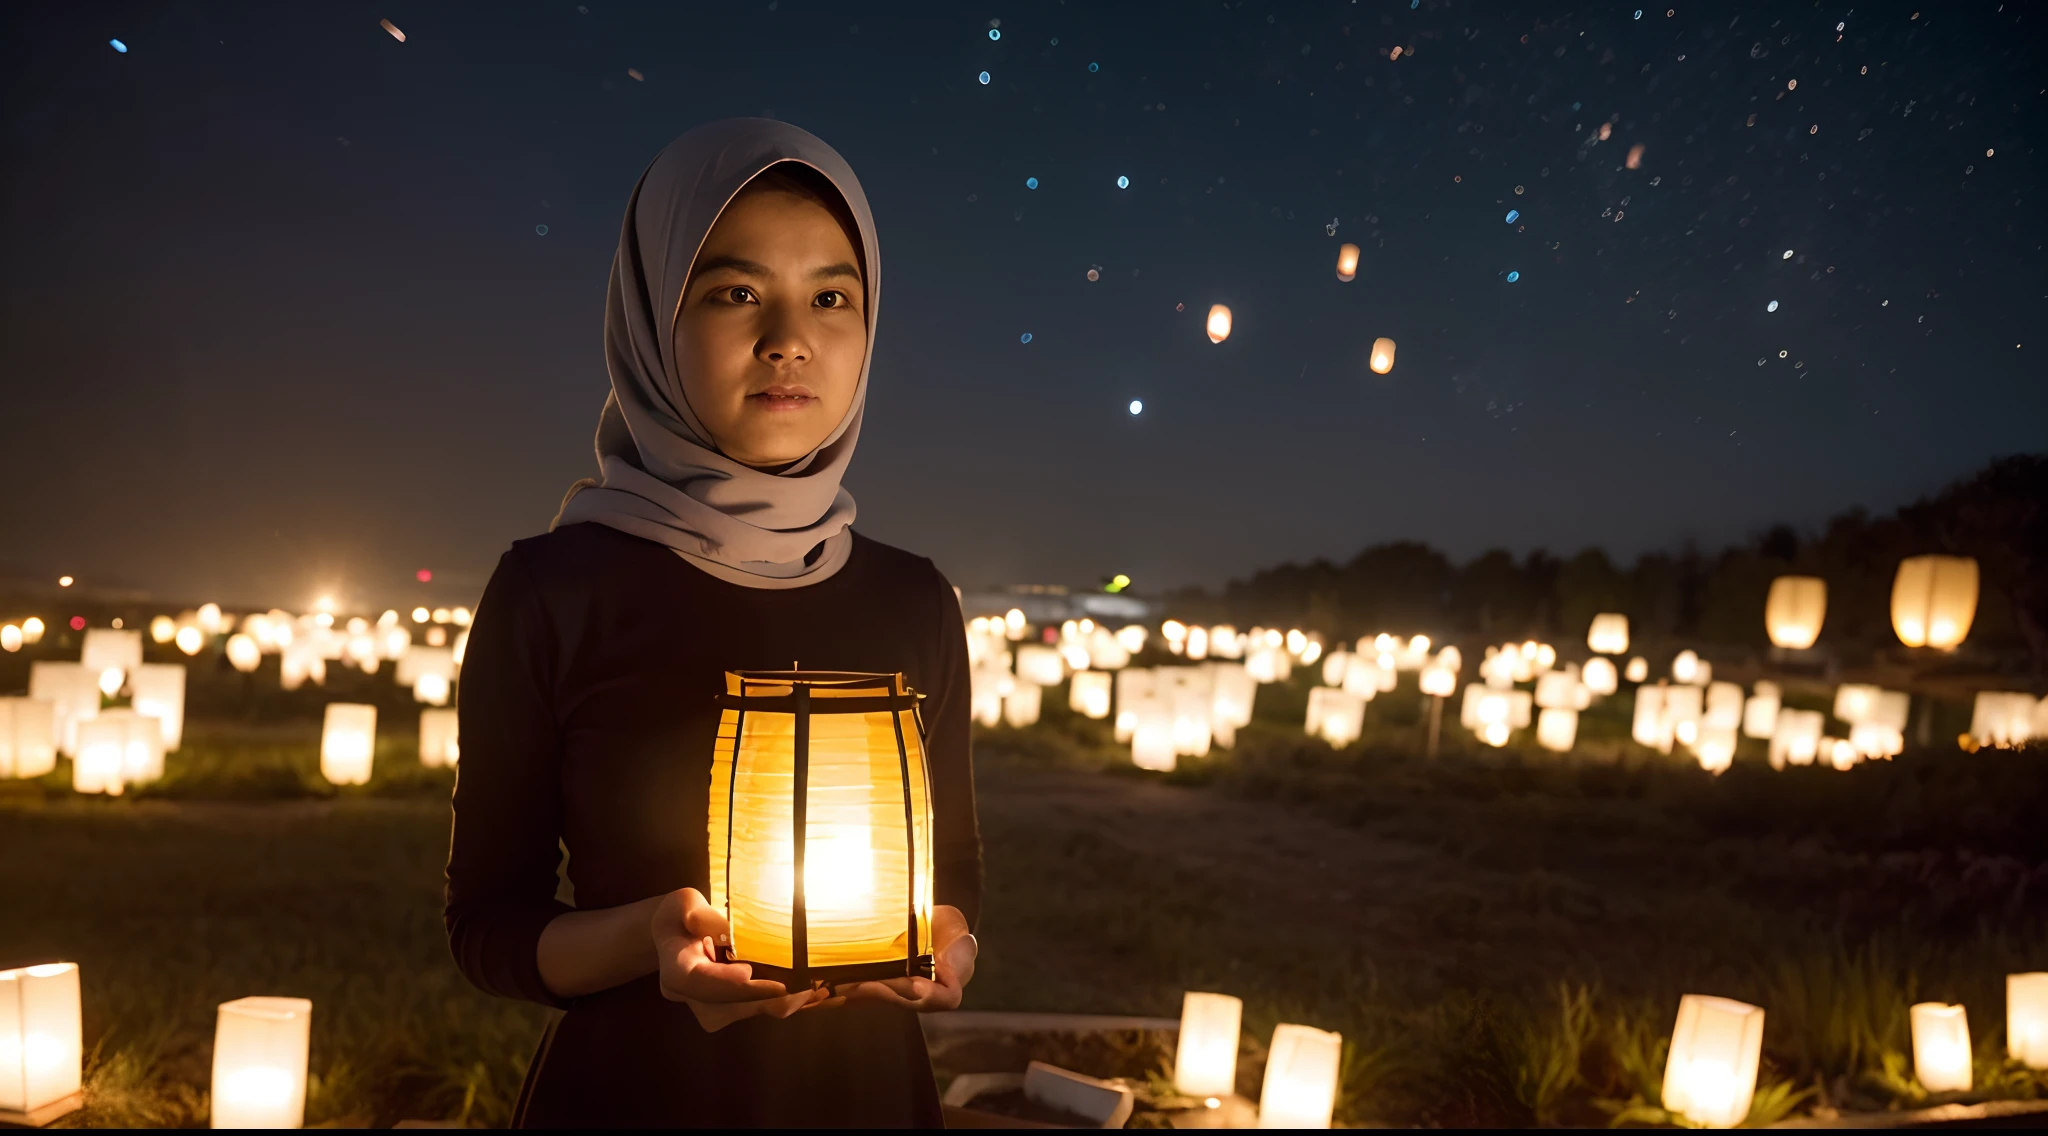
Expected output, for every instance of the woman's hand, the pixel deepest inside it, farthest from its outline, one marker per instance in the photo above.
(687, 933)
(953, 951)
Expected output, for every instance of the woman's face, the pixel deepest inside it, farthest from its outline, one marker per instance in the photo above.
(771, 335)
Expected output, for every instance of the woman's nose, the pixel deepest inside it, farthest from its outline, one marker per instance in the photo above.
(783, 341)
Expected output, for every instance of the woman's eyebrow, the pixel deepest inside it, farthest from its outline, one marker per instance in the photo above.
(832, 270)
(736, 263)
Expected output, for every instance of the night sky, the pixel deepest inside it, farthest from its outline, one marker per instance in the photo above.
(291, 306)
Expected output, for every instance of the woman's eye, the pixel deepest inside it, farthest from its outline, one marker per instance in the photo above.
(832, 300)
(740, 295)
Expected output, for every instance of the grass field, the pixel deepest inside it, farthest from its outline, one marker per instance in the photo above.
(1501, 937)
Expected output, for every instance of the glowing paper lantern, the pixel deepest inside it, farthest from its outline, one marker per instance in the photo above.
(1794, 610)
(1855, 700)
(1871, 739)
(1152, 734)
(1557, 728)
(244, 653)
(1649, 727)
(1364, 677)
(10, 638)
(1219, 323)
(1300, 1089)
(348, 742)
(1335, 716)
(159, 693)
(31, 630)
(1205, 1061)
(1271, 664)
(162, 629)
(1715, 748)
(1333, 667)
(429, 671)
(839, 760)
(1934, 600)
(28, 737)
(1557, 690)
(1347, 267)
(189, 639)
(1710, 1075)
(1683, 707)
(2026, 1018)
(1795, 737)
(2002, 718)
(259, 1063)
(73, 692)
(986, 687)
(42, 1044)
(1133, 686)
(1089, 694)
(1382, 355)
(1234, 692)
(1599, 676)
(1198, 642)
(1941, 1047)
(1723, 706)
(107, 647)
(100, 762)
(142, 744)
(1438, 682)
(1022, 704)
(1608, 634)
(1638, 669)
(1760, 711)
(1037, 663)
(440, 731)
(1685, 668)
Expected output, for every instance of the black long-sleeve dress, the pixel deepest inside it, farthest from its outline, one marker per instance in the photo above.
(587, 718)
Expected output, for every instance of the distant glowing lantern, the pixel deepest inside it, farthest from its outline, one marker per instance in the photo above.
(1795, 737)
(2004, 719)
(159, 690)
(1638, 669)
(1219, 323)
(1854, 701)
(259, 1063)
(460, 617)
(1365, 678)
(986, 686)
(1152, 734)
(1300, 1089)
(1839, 754)
(1133, 686)
(1599, 676)
(1333, 667)
(1205, 1061)
(1934, 600)
(1132, 637)
(1714, 746)
(1014, 623)
(1198, 642)
(1685, 668)
(1347, 267)
(99, 763)
(1557, 728)
(42, 1044)
(108, 648)
(209, 618)
(429, 671)
(243, 652)
(1233, 693)
(820, 829)
(1089, 694)
(1760, 711)
(440, 732)
(348, 742)
(72, 691)
(1335, 716)
(1874, 739)
(1557, 690)
(1438, 682)
(1608, 634)
(31, 631)
(1710, 1075)
(162, 629)
(1040, 664)
(189, 639)
(1794, 610)
(1941, 1047)
(28, 737)
(1649, 726)
(1270, 664)
(421, 615)
(1022, 704)
(10, 638)
(2026, 1018)
(1634, 160)
(1723, 706)
(1382, 355)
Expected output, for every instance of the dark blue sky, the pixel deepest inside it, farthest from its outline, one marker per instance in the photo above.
(278, 319)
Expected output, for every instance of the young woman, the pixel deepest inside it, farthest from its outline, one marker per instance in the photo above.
(738, 329)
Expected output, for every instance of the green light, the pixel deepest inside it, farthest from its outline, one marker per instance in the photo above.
(1117, 583)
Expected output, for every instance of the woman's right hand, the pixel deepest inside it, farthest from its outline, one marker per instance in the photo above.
(687, 933)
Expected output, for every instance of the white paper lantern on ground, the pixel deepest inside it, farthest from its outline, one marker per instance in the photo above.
(1037, 663)
(1557, 728)
(1133, 686)
(1686, 668)
(1333, 667)
(1683, 707)
(1557, 690)
(1638, 669)
(348, 743)
(1599, 676)
(2004, 719)
(1269, 664)
(1941, 1047)
(1649, 727)
(1022, 704)
(1235, 692)
(244, 653)
(1872, 739)
(1715, 748)
(73, 691)
(1608, 634)
(142, 753)
(28, 737)
(159, 693)
(1335, 716)
(1934, 601)
(1300, 1090)
(259, 1063)
(1152, 735)
(1437, 681)
(101, 759)
(1193, 730)
(1760, 711)
(1710, 1074)
(1794, 610)
(1089, 694)
(1795, 737)
(1890, 710)
(108, 648)
(1205, 1060)
(2026, 1018)
(440, 738)
(1723, 706)
(1854, 701)
(42, 1045)
(1364, 678)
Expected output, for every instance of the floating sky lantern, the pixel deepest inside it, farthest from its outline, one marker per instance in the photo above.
(440, 733)
(1557, 728)
(1794, 610)
(1347, 262)
(1205, 1060)
(42, 1043)
(1382, 355)
(28, 737)
(1089, 694)
(1608, 633)
(820, 829)
(259, 1062)
(1300, 1089)
(1795, 737)
(348, 742)
(1934, 600)
(2026, 1018)
(1219, 323)
(1941, 1047)
(1710, 1075)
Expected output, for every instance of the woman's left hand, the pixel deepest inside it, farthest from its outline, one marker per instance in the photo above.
(953, 952)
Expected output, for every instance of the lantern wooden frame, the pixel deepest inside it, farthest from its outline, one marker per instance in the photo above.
(803, 696)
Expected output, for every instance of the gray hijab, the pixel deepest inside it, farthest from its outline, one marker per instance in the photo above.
(660, 476)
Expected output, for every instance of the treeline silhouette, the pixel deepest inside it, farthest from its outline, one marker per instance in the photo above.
(1999, 515)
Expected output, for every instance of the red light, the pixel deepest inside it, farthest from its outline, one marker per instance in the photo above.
(423, 576)
(77, 623)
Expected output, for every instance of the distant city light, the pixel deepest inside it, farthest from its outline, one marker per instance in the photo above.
(424, 576)
(63, 581)
(1123, 182)
(1024, 338)
(117, 45)
(984, 78)
(1772, 306)
(77, 623)
(1137, 406)
(1514, 276)
(994, 34)
(1117, 583)
(1030, 183)
(1514, 215)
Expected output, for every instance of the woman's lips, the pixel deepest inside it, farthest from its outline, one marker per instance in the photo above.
(778, 398)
